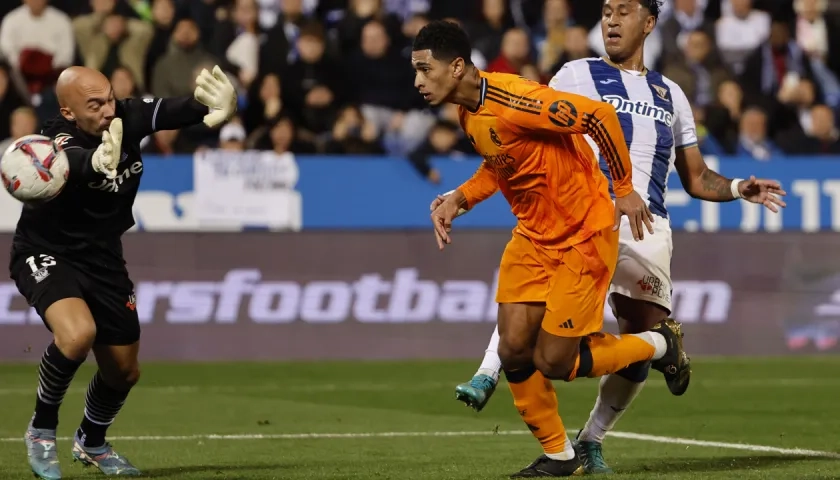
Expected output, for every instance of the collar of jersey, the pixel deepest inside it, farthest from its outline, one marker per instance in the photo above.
(615, 65)
(482, 92)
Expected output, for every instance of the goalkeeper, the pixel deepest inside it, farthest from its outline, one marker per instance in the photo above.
(67, 257)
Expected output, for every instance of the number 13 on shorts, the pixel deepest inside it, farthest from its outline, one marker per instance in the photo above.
(40, 265)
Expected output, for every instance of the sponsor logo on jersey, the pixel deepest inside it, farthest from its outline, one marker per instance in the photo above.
(113, 184)
(640, 108)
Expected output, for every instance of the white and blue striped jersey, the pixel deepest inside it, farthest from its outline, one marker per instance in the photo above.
(655, 116)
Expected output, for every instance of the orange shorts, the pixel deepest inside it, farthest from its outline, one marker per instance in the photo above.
(573, 282)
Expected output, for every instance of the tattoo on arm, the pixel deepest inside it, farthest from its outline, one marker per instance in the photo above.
(715, 185)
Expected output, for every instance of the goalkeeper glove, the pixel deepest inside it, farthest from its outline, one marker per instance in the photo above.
(215, 91)
(106, 157)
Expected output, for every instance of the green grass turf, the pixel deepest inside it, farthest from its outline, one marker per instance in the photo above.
(779, 402)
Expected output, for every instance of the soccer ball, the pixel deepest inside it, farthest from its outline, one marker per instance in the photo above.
(34, 169)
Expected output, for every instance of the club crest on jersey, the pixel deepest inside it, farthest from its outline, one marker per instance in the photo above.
(61, 139)
(661, 92)
(644, 109)
(494, 137)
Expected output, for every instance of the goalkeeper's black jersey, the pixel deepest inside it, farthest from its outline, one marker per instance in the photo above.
(87, 219)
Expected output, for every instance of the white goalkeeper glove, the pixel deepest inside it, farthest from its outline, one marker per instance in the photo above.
(215, 91)
(107, 155)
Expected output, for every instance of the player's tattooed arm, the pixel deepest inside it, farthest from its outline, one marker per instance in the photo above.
(698, 180)
(716, 184)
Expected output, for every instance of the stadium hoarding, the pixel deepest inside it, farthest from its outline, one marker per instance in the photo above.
(182, 193)
(377, 295)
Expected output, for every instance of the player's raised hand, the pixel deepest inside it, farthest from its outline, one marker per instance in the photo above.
(107, 156)
(637, 212)
(215, 91)
(448, 207)
(440, 198)
(762, 192)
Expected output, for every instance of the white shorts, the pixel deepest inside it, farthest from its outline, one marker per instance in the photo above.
(643, 271)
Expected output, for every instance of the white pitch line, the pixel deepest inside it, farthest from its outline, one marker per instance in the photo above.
(819, 383)
(800, 452)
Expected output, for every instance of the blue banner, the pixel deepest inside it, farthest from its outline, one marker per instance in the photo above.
(387, 193)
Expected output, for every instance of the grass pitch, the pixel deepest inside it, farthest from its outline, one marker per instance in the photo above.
(385, 420)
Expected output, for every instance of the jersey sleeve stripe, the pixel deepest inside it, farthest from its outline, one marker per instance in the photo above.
(596, 130)
(506, 102)
(687, 145)
(512, 97)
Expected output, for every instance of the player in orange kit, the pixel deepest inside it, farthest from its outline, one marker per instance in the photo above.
(556, 270)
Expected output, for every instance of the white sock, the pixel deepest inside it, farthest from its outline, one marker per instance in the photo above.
(615, 394)
(568, 452)
(655, 339)
(492, 364)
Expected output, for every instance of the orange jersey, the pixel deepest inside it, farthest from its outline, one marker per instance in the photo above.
(531, 138)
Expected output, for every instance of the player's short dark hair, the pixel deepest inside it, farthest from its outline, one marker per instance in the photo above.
(446, 40)
(652, 6)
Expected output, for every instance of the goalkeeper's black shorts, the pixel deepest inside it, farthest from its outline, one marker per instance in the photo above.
(44, 279)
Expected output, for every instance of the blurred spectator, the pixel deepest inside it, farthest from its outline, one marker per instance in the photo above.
(740, 32)
(410, 29)
(778, 77)
(163, 22)
(353, 135)
(23, 121)
(281, 38)
(753, 140)
(382, 83)
(108, 40)
(265, 101)
(10, 100)
(175, 71)
(232, 137)
(236, 40)
(37, 42)
(515, 53)
(822, 138)
(280, 136)
(723, 116)
(334, 75)
(359, 14)
(819, 38)
(125, 84)
(708, 144)
(576, 48)
(698, 71)
(312, 86)
(444, 140)
(486, 32)
(688, 16)
(549, 37)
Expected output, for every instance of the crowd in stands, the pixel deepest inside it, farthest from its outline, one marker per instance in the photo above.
(333, 76)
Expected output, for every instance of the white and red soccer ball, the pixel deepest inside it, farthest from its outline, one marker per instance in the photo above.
(34, 169)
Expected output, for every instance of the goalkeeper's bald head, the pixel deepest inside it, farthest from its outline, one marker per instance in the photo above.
(86, 98)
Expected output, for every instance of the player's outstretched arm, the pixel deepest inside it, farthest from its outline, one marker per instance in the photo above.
(213, 102)
(703, 183)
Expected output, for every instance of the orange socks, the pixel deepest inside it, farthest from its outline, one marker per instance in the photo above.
(536, 402)
(602, 353)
